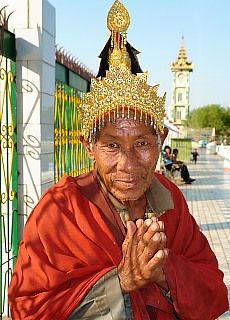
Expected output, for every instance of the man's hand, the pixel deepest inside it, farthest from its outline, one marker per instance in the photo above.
(143, 255)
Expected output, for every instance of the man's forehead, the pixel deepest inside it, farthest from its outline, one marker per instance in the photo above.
(126, 126)
(130, 123)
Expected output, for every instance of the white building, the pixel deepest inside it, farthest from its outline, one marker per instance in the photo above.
(181, 68)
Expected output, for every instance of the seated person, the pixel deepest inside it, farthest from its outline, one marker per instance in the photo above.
(171, 163)
(181, 166)
(166, 158)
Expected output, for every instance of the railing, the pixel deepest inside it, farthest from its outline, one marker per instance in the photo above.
(69, 154)
(8, 166)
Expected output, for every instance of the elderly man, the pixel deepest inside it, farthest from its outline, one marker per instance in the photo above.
(117, 242)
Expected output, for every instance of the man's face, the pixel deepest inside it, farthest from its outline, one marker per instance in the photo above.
(126, 154)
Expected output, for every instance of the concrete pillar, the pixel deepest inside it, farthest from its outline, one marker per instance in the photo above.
(33, 23)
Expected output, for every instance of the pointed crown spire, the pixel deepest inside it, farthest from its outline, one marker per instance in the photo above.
(120, 89)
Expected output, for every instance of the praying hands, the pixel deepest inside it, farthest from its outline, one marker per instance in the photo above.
(144, 255)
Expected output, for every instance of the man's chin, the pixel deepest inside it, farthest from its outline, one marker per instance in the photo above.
(123, 198)
(124, 194)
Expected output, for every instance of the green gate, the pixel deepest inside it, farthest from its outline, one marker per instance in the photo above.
(8, 165)
(184, 145)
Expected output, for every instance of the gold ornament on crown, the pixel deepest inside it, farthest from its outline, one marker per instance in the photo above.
(120, 91)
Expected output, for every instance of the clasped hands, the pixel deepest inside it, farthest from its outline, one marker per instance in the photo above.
(144, 255)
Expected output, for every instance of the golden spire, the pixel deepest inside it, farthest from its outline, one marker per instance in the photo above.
(120, 89)
(182, 63)
(182, 52)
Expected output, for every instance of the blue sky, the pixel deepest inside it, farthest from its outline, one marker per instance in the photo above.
(156, 30)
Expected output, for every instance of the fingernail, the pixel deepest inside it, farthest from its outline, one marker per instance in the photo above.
(163, 236)
(148, 222)
(154, 226)
(159, 254)
(156, 236)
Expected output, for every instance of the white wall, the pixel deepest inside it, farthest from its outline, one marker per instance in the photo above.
(224, 152)
(33, 22)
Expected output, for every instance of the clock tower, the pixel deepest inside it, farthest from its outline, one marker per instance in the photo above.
(181, 68)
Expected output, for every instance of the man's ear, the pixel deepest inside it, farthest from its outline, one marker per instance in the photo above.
(163, 135)
(87, 146)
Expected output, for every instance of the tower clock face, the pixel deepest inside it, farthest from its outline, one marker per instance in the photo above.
(181, 76)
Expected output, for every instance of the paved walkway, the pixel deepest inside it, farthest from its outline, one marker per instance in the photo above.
(209, 202)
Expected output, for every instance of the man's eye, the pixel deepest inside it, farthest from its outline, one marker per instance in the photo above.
(142, 143)
(112, 145)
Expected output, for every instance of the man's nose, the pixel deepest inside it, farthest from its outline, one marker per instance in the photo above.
(127, 160)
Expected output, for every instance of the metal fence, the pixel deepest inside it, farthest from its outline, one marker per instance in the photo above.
(8, 165)
(69, 154)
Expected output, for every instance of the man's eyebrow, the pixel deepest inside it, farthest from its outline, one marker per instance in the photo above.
(146, 135)
(109, 136)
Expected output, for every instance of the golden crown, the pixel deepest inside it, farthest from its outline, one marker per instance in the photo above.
(120, 89)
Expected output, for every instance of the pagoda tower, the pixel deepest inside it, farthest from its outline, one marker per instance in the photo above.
(179, 109)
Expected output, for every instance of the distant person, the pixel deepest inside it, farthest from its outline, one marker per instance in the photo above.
(166, 154)
(194, 154)
(181, 166)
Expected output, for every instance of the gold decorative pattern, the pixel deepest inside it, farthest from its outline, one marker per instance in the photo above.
(7, 146)
(120, 89)
(118, 19)
(69, 154)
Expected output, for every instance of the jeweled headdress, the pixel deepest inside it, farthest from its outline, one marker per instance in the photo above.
(119, 89)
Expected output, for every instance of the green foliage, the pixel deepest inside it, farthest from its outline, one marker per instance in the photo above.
(212, 116)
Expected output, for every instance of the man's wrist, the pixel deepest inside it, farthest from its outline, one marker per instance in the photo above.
(162, 283)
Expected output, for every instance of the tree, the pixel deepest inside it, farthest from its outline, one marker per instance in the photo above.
(212, 116)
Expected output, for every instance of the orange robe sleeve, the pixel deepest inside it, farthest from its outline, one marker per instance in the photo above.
(66, 248)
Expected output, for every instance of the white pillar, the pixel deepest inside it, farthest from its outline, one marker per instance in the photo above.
(33, 23)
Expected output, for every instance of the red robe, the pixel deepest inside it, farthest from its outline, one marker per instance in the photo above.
(74, 236)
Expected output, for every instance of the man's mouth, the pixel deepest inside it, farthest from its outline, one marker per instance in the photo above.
(128, 182)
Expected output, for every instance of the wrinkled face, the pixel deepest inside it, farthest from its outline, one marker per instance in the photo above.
(126, 154)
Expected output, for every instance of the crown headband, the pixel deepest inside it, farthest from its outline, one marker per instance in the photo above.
(120, 89)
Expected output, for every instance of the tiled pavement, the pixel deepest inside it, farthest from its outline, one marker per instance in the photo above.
(209, 201)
